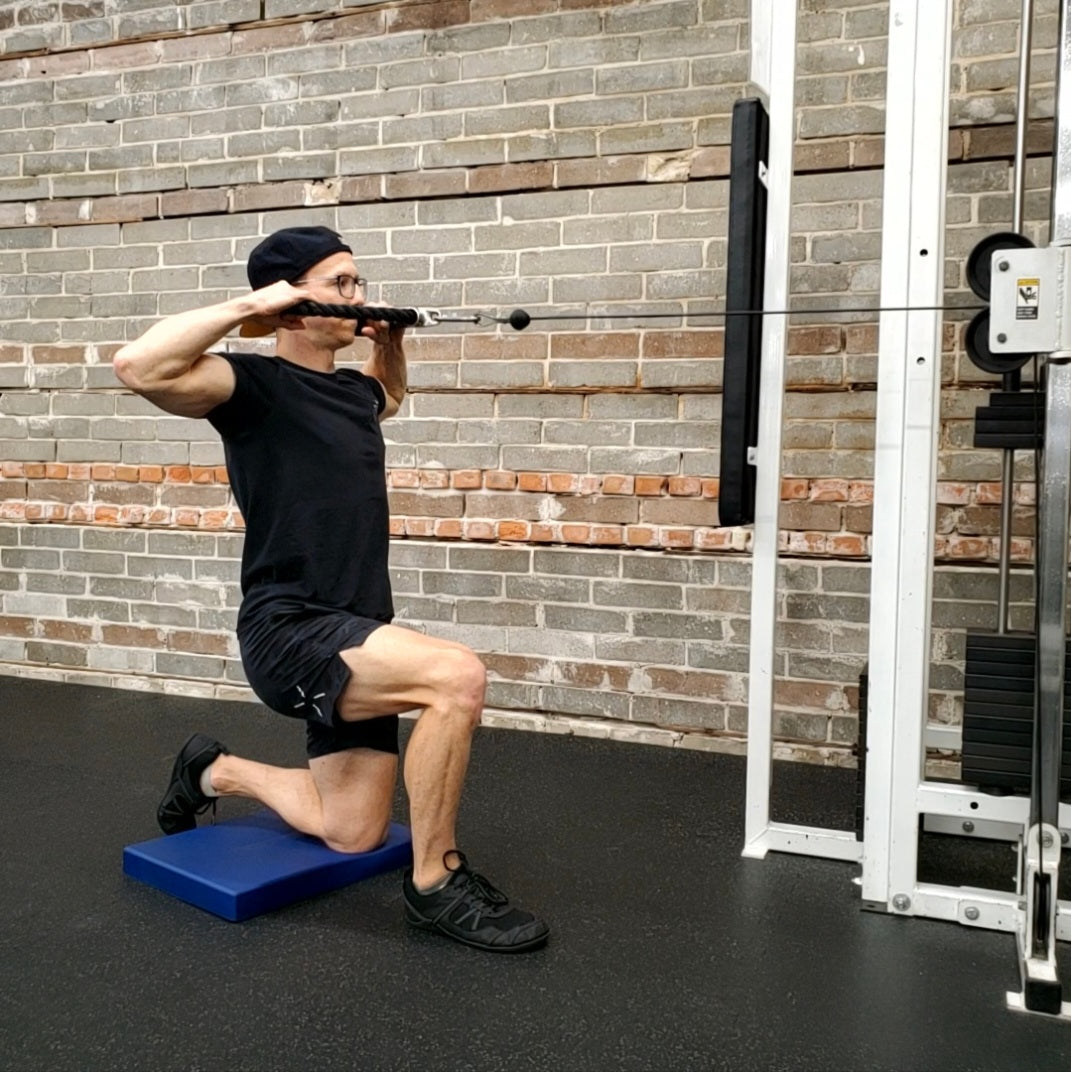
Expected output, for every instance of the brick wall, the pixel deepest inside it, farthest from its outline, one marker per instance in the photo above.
(554, 493)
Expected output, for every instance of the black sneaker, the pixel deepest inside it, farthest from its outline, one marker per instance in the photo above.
(184, 801)
(470, 910)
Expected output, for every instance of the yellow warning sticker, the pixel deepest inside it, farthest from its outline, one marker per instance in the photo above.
(1027, 293)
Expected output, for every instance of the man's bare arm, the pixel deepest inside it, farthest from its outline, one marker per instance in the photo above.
(387, 364)
(169, 364)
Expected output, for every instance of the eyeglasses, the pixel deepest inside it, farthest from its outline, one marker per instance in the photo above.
(347, 285)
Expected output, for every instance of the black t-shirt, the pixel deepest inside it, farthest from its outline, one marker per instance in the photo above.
(305, 457)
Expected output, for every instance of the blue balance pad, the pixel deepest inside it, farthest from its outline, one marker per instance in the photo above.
(240, 868)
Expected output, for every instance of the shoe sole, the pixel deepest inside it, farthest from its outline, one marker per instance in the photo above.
(420, 923)
(184, 756)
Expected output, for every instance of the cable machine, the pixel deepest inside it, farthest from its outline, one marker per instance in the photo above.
(1030, 313)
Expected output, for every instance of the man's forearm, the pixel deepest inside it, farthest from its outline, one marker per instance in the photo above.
(387, 364)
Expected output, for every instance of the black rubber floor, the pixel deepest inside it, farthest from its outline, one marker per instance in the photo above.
(669, 950)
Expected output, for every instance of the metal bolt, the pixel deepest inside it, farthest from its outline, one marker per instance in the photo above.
(971, 913)
(968, 827)
(1065, 837)
(1002, 337)
(901, 902)
(1003, 266)
(1046, 841)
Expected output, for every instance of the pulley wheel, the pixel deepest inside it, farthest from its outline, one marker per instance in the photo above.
(976, 341)
(980, 262)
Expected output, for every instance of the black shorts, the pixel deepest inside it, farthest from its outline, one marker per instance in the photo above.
(290, 654)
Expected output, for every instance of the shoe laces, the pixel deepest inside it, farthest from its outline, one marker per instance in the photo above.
(472, 882)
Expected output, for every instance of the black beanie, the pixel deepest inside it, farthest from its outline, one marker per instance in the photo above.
(289, 253)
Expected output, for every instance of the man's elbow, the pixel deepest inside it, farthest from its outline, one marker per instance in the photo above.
(125, 368)
(392, 403)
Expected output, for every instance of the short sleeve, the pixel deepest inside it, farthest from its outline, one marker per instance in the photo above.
(377, 390)
(254, 391)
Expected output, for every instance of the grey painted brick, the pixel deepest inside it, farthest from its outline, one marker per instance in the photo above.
(549, 589)
(175, 76)
(231, 69)
(147, 179)
(599, 113)
(478, 122)
(586, 563)
(221, 121)
(400, 158)
(471, 152)
(610, 460)
(460, 95)
(55, 654)
(50, 115)
(460, 457)
(182, 544)
(497, 612)
(160, 568)
(321, 58)
(495, 560)
(539, 406)
(156, 128)
(649, 137)
(563, 644)
(503, 62)
(29, 558)
(196, 666)
(370, 105)
(23, 189)
(127, 106)
(148, 454)
(483, 585)
(420, 129)
(514, 431)
(502, 375)
(85, 87)
(422, 72)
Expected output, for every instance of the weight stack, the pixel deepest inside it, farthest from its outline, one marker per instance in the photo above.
(998, 713)
(1013, 420)
(860, 755)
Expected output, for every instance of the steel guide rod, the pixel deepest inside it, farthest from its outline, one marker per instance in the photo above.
(1022, 118)
(1040, 864)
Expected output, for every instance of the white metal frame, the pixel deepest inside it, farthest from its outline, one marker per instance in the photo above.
(909, 367)
(774, 43)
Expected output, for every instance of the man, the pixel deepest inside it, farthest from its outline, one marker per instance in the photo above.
(305, 457)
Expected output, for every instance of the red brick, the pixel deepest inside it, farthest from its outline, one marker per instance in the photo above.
(595, 346)
(478, 530)
(448, 528)
(500, 480)
(494, 178)
(513, 530)
(430, 16)
(467, 479)
(684, 344)
(618, 485)
(685, 485)
(532, 481)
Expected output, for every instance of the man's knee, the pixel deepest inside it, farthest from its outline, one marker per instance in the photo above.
(461, 681)
(344, 835)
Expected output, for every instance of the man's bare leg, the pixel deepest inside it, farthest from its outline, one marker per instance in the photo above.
(343, 798)
(398, 670)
